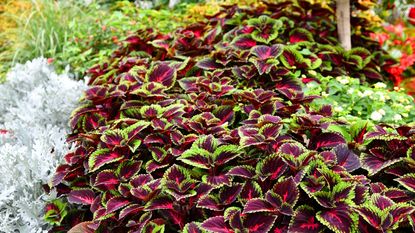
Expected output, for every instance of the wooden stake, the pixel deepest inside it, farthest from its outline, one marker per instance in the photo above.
(343, 23)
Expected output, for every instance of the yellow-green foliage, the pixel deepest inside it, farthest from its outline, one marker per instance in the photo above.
(196, 12)
(9, 11)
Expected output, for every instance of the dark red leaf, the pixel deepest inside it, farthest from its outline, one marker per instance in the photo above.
(259, 222)
(216, 224)
(325, 140)
(116, 203)
(304, 221)
(83, 196)
(163, 74)
(346, 158)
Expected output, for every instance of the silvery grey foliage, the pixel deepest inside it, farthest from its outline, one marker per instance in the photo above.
(35, 105)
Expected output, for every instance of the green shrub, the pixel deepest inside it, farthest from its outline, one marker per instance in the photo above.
(352, 100)
(70, 33)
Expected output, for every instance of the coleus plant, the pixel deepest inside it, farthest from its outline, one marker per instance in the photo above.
(207, 129)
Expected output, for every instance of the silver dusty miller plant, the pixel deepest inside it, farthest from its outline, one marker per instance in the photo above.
(35, 104)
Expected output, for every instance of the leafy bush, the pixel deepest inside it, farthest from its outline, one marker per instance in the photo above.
(61, 31)
(208, 129)
(352, 100)
(88, 45)
(34, 103)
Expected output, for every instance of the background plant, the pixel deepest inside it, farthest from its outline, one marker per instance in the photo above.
(62, 31)
(351, 100)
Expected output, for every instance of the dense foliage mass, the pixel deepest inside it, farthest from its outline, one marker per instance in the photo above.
(208, 129)
(351, 100)
(70, 31)
(35, 104)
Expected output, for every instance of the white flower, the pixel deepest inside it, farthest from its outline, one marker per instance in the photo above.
(376, 116)
(380, 85)
(367, 93)
(397, 117)
(338, 109)
(381, 111)
(380, 96)
(343, 79)
(350, 91)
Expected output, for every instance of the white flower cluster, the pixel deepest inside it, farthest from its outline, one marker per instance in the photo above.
(35, 104)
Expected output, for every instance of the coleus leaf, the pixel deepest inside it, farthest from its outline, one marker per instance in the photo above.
(225, 153)
(244, 171)
(128, 169)
(259, 222)
(210, 202)
(196, 157)
(373, 164)
(287, 190)
(206, 142)
(304, 221)
(263, 52)
(278, 199)
(325, 140)
(266, 28)
(346, 158)
(382, 213)
(412, 220)
(163, 74)
(225, 114)
(358, 130)
(300, 34)
(244, 42)
(115, 137)
(217, 180)
(151, 111)
(82, 196)
(116, 203)
(208, 64)
(216, 224)
(294, 149)
(176, 174)
(340, 219)
(136, 128)
(290, 57)
(159, 154)
(251, 190)
(192, 227)
(101, 157)
(82, 228)
(370, 215)
(228, 195)
(131, 209)
(55, 212)
(271, 167)
(258, 205)
(106, 179)
(159, 203)
(408, 181)
(234, 216)
(343, 191)
(154, 227)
